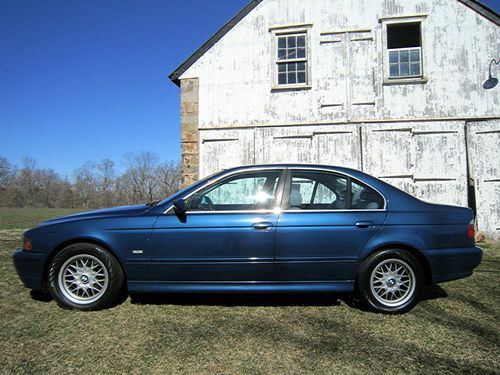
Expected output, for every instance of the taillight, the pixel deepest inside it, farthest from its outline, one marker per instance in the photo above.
(27, 244)
(472, 232)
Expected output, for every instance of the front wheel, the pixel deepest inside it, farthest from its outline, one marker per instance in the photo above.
(390, 281)
(85, 277)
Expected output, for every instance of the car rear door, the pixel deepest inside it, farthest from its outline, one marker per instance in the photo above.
(327, 219)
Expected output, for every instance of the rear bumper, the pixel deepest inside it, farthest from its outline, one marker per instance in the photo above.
(454, 263)
(29, 267)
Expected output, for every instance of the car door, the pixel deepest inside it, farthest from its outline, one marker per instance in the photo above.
(228, 233)
(327, 218)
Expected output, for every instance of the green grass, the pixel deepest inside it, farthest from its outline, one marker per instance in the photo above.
(24, 218)
(455, 330)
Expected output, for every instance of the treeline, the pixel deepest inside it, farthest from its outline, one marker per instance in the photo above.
(143, 178)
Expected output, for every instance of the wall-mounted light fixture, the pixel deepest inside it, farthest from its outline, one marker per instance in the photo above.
(491, 81)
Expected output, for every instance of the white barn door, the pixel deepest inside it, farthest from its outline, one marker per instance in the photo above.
(484, 160)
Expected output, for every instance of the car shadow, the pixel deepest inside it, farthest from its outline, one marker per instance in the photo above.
(39, 296)
(262, 300)
(434, 292)
(228, 300)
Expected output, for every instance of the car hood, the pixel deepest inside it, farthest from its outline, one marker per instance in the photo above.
(107, 212)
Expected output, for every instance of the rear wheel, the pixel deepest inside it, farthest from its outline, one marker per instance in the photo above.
(85, 277)
(390, 281)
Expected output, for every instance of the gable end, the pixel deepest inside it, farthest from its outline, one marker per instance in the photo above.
(174, 77)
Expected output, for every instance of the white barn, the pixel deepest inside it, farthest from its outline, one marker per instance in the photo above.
(390, 87)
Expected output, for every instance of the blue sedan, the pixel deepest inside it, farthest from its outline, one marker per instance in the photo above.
(260, 229)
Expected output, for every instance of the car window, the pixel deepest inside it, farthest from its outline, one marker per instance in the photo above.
(365, 198)
(250, 191)
(314, 190)
(317, 190)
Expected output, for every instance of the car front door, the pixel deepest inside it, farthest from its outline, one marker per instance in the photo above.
(327, 218)
(227, 234)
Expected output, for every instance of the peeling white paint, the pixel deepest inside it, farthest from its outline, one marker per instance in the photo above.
(411, 135)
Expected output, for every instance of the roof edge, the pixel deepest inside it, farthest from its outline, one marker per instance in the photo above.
(483, 10)
(175, 75)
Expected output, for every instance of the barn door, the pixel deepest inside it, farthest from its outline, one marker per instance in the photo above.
(285, 145)
(362, 63)
(427, 160)
(222, 149)
(348, 65)
(484, 161)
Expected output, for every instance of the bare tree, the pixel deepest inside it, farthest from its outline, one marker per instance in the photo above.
(140, 176)
(170, 178)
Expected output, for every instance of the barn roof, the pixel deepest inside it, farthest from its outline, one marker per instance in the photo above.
(475, 5)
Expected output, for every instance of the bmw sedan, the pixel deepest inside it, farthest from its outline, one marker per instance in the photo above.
(256, 229)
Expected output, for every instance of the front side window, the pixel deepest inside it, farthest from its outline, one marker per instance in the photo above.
(314, 190)
(250, 191)
(292, 61)
(404, 48)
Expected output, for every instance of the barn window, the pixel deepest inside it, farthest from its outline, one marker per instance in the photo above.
(291, 54)
(292, 59)
(404, 48)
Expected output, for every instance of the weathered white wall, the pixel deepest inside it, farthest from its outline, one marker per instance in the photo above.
(411, 135)
(458, 44)
(426, 159)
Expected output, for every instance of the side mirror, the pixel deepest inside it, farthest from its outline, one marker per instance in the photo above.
(180, 206)
(180, 209)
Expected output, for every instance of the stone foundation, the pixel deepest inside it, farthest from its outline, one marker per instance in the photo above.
(189, 130)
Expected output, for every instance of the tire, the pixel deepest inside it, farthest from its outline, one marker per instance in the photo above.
(390, 281)
(85, 277)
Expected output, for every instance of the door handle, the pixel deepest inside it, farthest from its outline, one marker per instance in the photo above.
(262, 226)
(364, 224)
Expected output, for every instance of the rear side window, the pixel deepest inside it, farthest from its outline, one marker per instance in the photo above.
(365, 198)
(313, 190)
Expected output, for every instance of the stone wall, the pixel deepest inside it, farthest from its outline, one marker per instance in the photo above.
(189, 130)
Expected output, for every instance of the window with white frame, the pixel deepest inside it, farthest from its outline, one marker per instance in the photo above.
(292, 59)
(404, 48)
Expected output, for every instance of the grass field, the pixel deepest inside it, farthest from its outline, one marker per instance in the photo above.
(454, 330)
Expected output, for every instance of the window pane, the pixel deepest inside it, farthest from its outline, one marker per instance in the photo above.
(282, 78)
(301, 77)
(292, 41)
(415, 69)
(404, 69)
(393, 57)
(248, 192)
(404, 56)
(394, 70)
(292, 53)
(282, 54)
(281, 68)
(317, 191)
(365, 198)
(415, 55)
(301, 66)
(301, 41)
(301, 53)
(292, 67)
(292, 78)
(282, 42)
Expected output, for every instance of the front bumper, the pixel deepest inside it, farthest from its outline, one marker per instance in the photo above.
(454, 263)
(30, 267)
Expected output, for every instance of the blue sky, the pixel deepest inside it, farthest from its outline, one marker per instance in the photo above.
(86, 80)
